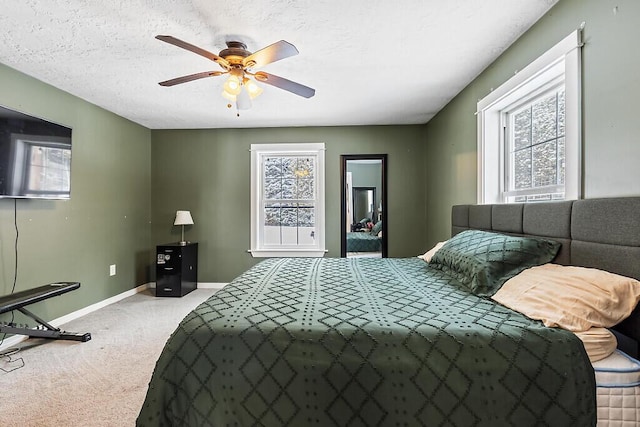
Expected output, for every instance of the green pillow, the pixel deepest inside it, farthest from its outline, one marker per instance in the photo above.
(483, 261)
(377, 228)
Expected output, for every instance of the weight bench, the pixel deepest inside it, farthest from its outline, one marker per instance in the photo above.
(18, 300)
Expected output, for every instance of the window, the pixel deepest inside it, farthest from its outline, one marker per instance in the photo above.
(534, 141)
(287, 200)
(529, 131)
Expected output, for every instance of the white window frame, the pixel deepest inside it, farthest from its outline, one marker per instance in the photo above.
(561, 61)
(260, 151)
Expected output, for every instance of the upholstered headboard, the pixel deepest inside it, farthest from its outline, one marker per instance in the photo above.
(598, 233)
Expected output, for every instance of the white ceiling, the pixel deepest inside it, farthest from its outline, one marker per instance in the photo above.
(370, 61)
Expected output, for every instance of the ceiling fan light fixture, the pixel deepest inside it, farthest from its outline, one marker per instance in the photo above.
(252, 88)
(228, 96)
(232, 85)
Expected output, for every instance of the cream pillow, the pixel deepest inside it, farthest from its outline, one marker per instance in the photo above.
(429, 254)
(573, 298)
(598, 342)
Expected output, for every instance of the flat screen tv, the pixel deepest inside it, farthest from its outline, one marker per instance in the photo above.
(35, 157)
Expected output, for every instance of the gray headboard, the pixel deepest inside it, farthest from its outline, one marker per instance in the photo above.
(598, 233)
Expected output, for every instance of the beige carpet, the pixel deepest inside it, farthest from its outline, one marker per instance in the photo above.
(102, 382)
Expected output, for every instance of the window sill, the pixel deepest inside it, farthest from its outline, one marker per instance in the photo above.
(287, 253)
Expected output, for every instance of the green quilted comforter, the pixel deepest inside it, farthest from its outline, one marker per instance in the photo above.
(363, 242)
(364, 342)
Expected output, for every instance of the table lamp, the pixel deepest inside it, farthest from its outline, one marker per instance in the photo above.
(183, 218)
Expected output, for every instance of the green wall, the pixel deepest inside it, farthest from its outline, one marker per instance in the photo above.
(208, 173)
(611, 89)
(105, 222)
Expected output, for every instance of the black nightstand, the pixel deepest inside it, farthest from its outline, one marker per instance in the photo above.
(176, 269)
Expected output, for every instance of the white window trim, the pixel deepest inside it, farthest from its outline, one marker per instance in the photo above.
(490, 136)
(311, 149)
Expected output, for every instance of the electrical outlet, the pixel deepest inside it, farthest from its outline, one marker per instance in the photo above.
(112, 270)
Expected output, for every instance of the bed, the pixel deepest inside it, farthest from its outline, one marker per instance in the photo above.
(363, 241)
(618, 390)
(397, 341)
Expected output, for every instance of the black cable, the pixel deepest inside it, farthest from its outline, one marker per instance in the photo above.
(15, 268)
(7, 355)
(15, 246)
(19, 362)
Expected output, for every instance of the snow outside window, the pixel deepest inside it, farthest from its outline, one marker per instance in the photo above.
(287, 200)
(534, 140)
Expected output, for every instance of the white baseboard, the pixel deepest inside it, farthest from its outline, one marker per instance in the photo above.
(93, 307)
(12, 342)
(211, 285)
(16, 339)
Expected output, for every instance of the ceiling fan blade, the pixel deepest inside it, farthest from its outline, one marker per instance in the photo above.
(195, 49)
(285, 84)
(272, 53)
(190, 77)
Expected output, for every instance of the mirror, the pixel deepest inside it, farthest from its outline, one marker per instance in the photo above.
(364, 203)
(363, 233)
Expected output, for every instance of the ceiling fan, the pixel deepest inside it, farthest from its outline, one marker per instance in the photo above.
(238, 63)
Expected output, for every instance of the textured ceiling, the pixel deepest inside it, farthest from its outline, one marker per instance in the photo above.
(370, 61)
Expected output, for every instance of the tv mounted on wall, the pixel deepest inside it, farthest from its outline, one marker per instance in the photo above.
(35, 157)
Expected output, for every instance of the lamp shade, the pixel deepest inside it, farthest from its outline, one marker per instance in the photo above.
(183, 218)
(232, 85)
(252, 88)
